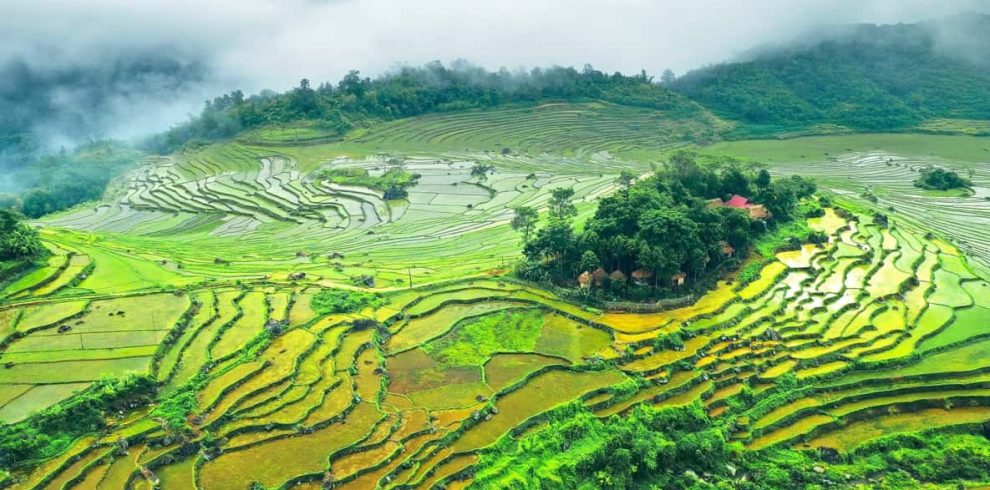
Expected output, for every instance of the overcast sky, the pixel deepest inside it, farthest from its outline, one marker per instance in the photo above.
(256, 44)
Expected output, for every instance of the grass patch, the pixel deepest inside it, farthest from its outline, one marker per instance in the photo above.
(475, 340)
(330, 301)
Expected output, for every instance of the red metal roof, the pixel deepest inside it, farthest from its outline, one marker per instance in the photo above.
(737, 201)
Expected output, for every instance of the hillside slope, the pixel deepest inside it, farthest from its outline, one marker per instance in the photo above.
(864, 77)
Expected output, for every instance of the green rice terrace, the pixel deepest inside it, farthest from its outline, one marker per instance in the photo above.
(208, 271)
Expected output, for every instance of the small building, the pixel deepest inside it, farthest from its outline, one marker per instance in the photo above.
(755, 211)
(727, 250)
(598, 276)
(617, 276)
(677, 280)
(642, 276)
(584, 280)
(738, 202)
(759, 211)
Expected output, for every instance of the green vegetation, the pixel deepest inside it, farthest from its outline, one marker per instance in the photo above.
(58, 182)
(357, 102)
(861, 78)
(686, 220)
(329, 301)
(475, 340)
(940, 179)
(681, 447)
(314, 290)
(393, 182)
(18, 241)
(50, 432)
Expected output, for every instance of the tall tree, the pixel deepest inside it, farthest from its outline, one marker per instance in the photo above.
(561, 206)
(523, 220)
(626, 179)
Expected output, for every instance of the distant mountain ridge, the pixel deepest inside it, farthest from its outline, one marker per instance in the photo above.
(862, 77)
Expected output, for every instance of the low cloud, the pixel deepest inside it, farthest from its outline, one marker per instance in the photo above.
(195, 49)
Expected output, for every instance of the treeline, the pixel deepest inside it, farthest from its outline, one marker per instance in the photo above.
(50, 432)
(56, 182)
(357, 101)
(681, 447)
(674, 229)
(865, 77)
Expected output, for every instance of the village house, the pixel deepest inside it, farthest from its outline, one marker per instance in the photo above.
(756, 211)
(642, 277)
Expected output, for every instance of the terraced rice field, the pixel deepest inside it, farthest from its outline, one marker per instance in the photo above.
(901, 346)
(886, 166)
(191, 257)
(238, 212)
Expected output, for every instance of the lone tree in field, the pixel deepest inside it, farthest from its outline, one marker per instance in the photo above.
(561, 206)
(524, 221)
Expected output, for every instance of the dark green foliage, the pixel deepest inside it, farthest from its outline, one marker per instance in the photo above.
(17, 240)
(681, 447)
(786, 236)
(663, 223)
(940, 179)
(49, 432)
(393, 182)
(329, 301)
(358, 101)
(651, 448)
(865, 77)
(176, 406)
(669, 341)
(58, 182)
(524, 219)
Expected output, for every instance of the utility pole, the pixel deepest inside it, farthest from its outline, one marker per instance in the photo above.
(410, 278)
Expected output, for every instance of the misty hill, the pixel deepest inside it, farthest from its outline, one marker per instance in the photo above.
(45, 107)
(863, 77)
(361, 102)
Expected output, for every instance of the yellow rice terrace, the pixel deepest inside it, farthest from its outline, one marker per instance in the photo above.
(448, 278)
(276, 340)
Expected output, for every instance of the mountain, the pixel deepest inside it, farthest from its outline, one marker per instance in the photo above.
(861, 77)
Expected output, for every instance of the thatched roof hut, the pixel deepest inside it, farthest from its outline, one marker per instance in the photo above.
(599, 276)
(617, 276)
(584, 280)
(642, 276)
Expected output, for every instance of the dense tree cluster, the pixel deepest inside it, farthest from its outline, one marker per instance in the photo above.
(670, 222)
(358, 101)
(56, 182)
(866, 77)
(49, 432)
(940, 179)
(17, 240)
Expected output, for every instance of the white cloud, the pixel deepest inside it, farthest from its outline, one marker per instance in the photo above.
(255, 44)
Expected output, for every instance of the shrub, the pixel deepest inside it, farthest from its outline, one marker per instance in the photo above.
(329, 301)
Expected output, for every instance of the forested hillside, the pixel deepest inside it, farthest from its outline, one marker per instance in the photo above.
(358, 101)
(865, 78)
